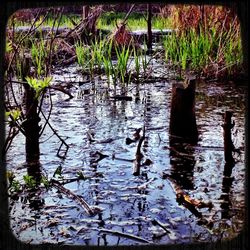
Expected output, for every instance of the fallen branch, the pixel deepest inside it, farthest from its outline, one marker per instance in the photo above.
(126, 235)
(75, 197)
(184, 199)
(136, 136)
(121, 159)
(69, 61)
(61, 89)
(156, 222)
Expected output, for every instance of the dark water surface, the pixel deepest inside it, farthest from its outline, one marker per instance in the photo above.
(130, 203)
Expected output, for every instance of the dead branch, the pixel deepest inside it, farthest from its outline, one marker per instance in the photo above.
(190, 203)
(31, 30)
(58, 136)
(11, 135)
(73, 196)
(138, 155)
(126, 235)
(156, 222)
(61, 89)
(127, 15)
(99, 155)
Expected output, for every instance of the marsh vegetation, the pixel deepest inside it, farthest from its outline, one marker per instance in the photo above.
(88, 101)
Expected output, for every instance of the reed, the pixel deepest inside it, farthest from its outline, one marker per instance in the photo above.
(39, 54)
(137, 65)
(84, 58)
(123, 54)
(200, 51)
(207, 41)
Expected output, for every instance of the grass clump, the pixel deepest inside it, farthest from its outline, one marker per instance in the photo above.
(211, 48)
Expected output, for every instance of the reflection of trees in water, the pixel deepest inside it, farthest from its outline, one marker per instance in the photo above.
(226, 187)
(182, 167)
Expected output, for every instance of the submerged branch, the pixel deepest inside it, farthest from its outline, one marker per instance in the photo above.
(126, 235)
(191, 203)
(61, 89)
(138, 155)
(75, 197)
(156, 222)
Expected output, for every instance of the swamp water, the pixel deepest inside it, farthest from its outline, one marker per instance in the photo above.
(131, 204)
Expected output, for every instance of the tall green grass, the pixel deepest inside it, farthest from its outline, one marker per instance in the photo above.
(39, 54)
(197, 51)
(104, 57)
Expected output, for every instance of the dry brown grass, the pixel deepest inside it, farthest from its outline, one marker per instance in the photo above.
(204, 16)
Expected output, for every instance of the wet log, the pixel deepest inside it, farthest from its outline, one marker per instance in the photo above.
(228, 144)
(182, 114)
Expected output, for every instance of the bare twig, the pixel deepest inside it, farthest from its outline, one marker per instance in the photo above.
(31, 30)
(11, 135)
(59, 137)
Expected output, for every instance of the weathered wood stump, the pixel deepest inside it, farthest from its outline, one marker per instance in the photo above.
(228, 144)
(182, 115)
(31, 123)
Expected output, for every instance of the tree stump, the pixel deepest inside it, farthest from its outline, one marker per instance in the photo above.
(31, 123)
(182, 116)
(228, 144)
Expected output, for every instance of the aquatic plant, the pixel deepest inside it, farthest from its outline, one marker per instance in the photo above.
(123, 54)
(29, 181)
(38, 85)
(200, 51)
(39, 53)
(83, 55)
(137, 65)
(208, 44)
(14, 113)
